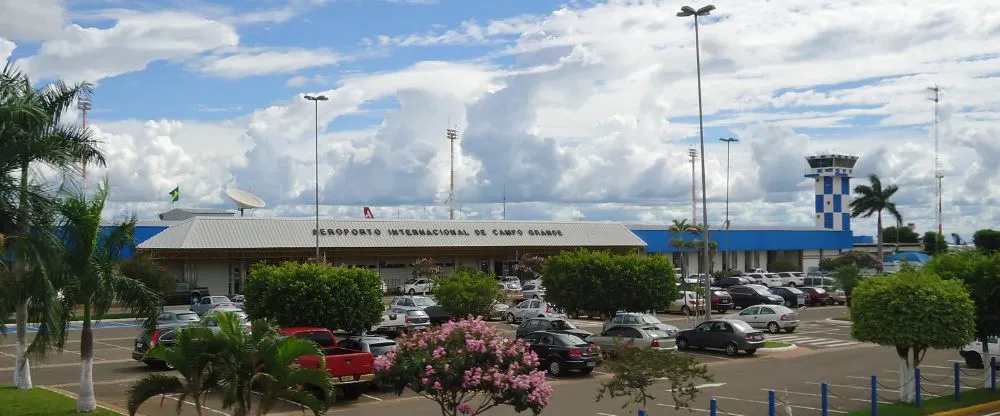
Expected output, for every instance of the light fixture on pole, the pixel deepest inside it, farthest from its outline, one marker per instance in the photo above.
(316, 100)
(725, 258)
(688, 11)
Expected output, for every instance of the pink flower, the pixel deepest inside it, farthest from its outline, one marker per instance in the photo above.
(429, 370)
(426, 381)
(464, 409)
(438, 353)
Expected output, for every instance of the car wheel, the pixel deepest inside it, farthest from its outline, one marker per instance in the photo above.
(973, 360)
(732, 349)
(682, 344)
(751, 351)
(685, 310)
(773, 328)
(412, 292)
(555, 368)
(791, 284)
(790, 330)
(788, 303)
(353, 391)
(510, 319)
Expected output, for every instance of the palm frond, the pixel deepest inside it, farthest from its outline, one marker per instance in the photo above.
(151, 386)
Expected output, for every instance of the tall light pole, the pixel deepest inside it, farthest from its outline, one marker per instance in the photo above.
(688, 11)
(694, 200)
(316, 100)
(84, 106)
(725, 258)
(937, 168)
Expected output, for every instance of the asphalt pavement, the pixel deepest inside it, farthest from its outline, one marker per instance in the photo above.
(826, 353)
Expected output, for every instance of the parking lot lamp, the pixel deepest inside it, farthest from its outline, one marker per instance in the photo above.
(316, 100)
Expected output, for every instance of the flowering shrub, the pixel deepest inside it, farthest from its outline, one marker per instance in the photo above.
(467, 368)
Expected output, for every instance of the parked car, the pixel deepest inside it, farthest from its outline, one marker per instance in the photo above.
(589, 313)
(512, 283)
(413, 319)
(211, 320)
(687, 303)
(636, 319)
(722, 301)
(750, 295)
(770, 279)
(530, 291)
(793, 298)
(972, 353)
(145, 341)
(637, 336)
(436, 313)
(838, 296)
(732, 281)
(238, 300)
(774, 318)
(792, 279)
(755, 278)
(393, 323)
(176, 319)
(730, 335)
(351, 370)
(414, 286)
(208, 303)
(531, 308)
(559, 325)
(186, 294)
(816, 296)
(560, 352)
(498, 311)
(376, 345)
(818, 280)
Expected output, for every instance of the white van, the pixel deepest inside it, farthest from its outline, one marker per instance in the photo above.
(972, 353)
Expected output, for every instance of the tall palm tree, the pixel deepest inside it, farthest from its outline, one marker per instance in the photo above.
(91, 279)
(30, 135)
(193, 354)
(678, 227)
(871, 200)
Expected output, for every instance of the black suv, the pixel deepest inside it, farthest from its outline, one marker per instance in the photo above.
(750, 295)
(558, 325)
(722, 301)
(559, 352)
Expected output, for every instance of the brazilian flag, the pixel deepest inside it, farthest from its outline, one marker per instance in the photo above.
(175, 194)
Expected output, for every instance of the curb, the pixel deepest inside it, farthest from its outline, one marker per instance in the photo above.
(965, 411)
(837, 322)
(779, 349)
(75, 397)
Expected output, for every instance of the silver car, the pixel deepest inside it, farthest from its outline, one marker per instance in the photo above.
(636, 319)
(637, 336)
(532, 308)
(208, 303)
(773, 317)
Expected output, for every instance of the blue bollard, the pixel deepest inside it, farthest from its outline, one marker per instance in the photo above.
(770, 403)
(993, 373)
(916, 386)
(642, 412)
(824, 400)
(713, 408)
(958, 384)
(874, 396)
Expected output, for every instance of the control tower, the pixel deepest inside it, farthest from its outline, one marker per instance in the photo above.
(832, 174)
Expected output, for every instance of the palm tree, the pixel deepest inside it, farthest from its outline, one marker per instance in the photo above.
(193, 354)
(678, 227)
(872, 200)
(31, 134)
(92, 279)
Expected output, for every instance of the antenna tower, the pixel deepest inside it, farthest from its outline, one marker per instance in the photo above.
(504, 201)
(937, 166)
(694, 206)
(452, 135)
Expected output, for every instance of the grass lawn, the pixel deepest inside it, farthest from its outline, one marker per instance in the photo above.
(931, 406)
(776, 344)
(40, 402)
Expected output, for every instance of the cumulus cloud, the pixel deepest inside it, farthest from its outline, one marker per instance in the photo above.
(250, 63)
(31, 20)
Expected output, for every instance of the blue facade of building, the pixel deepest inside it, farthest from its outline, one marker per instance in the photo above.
(142, 233)
(658, 241)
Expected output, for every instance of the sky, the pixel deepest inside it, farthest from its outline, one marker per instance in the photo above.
(566, 110)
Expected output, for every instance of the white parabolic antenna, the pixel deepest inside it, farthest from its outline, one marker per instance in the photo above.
(244, 199)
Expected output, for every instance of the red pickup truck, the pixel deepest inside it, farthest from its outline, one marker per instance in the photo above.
(351, 370)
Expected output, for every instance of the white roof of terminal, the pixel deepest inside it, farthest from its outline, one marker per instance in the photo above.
(261, 233)
(735, 227)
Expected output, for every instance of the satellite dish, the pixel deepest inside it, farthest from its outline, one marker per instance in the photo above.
(244, 199)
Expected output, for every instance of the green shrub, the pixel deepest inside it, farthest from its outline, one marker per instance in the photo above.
(319, 295)
(150, 273)
(467, 292)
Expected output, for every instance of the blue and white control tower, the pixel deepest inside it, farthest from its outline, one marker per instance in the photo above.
(833, 174)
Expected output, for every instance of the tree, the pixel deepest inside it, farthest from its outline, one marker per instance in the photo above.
(93, 280)
(860, 259)
(319, 295)
(980, 273)
(467, 292)
(872, 199)
(934, 243)
(192, 355)
(426, 268)
(848, 277)
(987, 240)
(466, 367)
(150, 273)
(529, 267)
(636, 370)
(32, 134)
(885, 309)
(682, 246)
(589, 280)
(678, 228)
(903, 235)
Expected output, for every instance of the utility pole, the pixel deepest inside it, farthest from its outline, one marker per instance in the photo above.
(504, 201)
(84, 105)
(694, 182)
(725, 253)
(937, 166)
(452, 135)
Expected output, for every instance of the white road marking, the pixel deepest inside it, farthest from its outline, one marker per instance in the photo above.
(826, 342)
(129, 360)
(601, 373)
(372, 397)
(820, 395)
(172, 397)
(605, 414)
(866, 388)
(842, 344)
(788, 405)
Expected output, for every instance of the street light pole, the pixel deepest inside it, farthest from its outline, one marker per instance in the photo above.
(316, 100)
(687, 11)
(725, 259)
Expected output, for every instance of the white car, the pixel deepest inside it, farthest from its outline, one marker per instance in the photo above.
(792, 278)
(211, 321)
(531, 291)
(415, 286)
(208, 303)
(770, 279)
(512, 283)
(774, 318)
(686, 303)
(973, 353)
(532, 308)
(239, 300)
(393, 323)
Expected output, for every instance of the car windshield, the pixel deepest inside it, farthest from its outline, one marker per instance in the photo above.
(570, 340)
(410, 282)
(650, 319)
(323, 338)
(563, 325)
(382, 348)
(742, 326)
(793, 290)
(220, 299)
(760, 290)
(187, 317)
(417, 313)
(424, 302)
